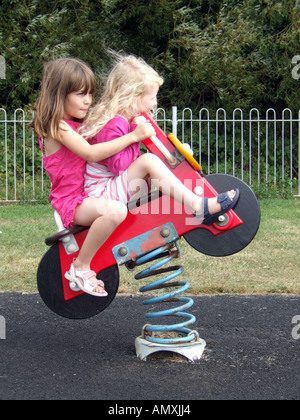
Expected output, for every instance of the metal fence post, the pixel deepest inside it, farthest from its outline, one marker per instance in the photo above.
(174, 120)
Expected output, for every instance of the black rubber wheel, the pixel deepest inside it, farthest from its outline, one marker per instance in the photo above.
(50, 287)
(232, 241)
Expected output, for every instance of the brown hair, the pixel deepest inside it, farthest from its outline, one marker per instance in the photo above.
(60, 78)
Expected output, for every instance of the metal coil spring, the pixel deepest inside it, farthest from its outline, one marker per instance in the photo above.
(168, 253)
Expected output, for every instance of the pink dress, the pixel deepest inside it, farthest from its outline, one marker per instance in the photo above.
(65, 170)
(108, 179)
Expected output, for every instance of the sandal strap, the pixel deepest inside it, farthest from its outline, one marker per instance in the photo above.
(89, 274)
(85, 276)
(224, 200)
(205, 207)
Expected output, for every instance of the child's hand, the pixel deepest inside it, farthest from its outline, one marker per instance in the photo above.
(139, 119)
(144, 130)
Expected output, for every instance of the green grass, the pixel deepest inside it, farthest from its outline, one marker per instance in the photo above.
(270, 264)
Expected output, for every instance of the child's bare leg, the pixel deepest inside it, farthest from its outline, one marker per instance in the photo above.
(149, 165)
(103, 217)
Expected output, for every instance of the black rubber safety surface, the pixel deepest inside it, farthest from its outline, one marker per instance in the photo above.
(252, 353)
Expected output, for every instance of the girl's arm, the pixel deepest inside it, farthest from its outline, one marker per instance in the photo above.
(93, 153)
(114, 129)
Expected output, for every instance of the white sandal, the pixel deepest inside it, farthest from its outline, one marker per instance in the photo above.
(82, 280)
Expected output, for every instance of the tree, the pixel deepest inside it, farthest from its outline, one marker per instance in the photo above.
(229, 54)
(212, 53)
(34, 31)
(245, 58)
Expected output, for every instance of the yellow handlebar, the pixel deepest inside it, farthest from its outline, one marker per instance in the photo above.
(177, 143)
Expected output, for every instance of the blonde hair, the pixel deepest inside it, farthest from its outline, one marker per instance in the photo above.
(60, 78)
(129, 80)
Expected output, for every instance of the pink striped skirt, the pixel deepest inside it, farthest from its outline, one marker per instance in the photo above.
(99, 182)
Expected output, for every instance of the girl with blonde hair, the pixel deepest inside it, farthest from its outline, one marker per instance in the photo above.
(131, 89)
(67, 89)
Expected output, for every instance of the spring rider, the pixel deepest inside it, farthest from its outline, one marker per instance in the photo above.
(150, 235)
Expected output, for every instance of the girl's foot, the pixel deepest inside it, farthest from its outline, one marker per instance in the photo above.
(215, 207)
(86, 280)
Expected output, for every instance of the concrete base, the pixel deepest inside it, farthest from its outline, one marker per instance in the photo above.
(192, 351)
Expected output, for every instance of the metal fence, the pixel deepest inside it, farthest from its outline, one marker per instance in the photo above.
(259, 148)
(21, 168)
